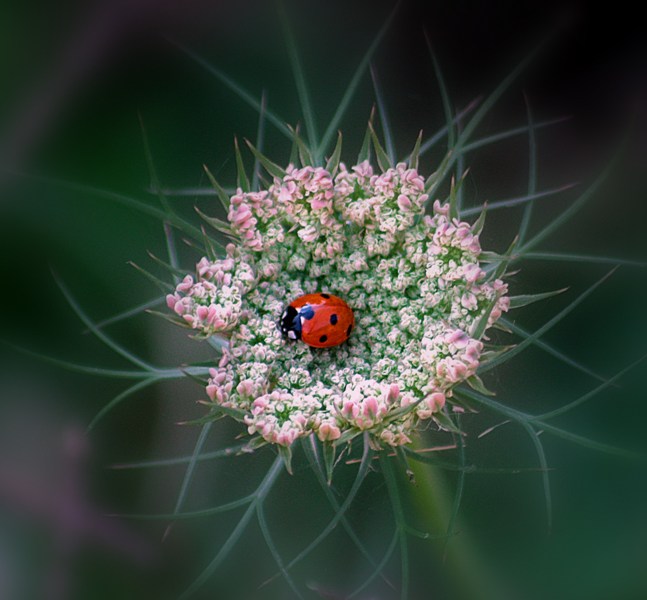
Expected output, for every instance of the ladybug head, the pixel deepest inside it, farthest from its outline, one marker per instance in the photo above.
(290, 324)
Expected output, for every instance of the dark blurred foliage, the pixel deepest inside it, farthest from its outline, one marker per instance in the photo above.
(75, 78)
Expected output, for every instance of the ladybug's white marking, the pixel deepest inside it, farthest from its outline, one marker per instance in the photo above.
(292, 335)
(302, 321)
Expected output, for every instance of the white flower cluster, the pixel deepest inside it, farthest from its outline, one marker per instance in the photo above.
(214, 302)
(412, 279)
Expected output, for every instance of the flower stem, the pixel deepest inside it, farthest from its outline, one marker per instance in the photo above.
(465, 568)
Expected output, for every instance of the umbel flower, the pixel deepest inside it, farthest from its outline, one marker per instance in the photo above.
(422, 304)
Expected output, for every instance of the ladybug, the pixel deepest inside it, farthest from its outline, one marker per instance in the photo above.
(320, 320)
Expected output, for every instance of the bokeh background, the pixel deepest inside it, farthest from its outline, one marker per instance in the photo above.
(76, 78)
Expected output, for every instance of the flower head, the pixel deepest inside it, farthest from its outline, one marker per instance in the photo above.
(412, 279)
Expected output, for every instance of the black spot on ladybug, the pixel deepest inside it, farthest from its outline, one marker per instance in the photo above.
(333, 319)
(323, 339)
(350, 328)
(326, 296)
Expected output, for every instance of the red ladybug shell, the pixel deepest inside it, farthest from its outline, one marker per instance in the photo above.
(331, 324)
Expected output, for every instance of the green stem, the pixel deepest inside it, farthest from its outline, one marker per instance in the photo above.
(471, 578)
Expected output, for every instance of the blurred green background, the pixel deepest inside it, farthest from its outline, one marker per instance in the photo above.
(76, 76)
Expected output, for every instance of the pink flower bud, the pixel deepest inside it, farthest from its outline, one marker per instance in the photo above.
(328, 431)
(458, 338)
(245, 387)
(370, 407)
(472, 272)
(319, 201)
(185, 285)
(241, 215)
(435, 401)
(403, 202)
